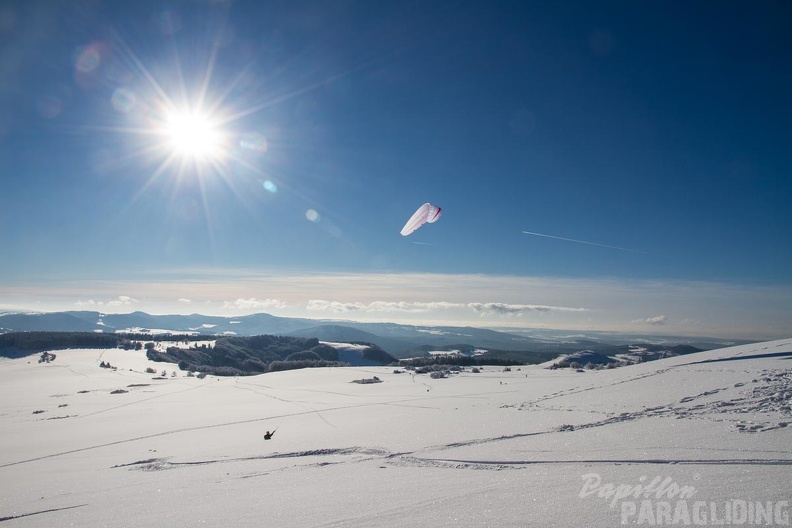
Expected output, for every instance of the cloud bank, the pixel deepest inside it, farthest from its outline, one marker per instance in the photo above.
(254, 304)
(490, 308)
(120, 301)
(700, 308)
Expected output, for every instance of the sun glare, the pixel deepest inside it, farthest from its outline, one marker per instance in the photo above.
(194, 136)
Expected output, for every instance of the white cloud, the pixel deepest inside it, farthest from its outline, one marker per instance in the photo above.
(409, 307)
(491, 308)
(122, 300)
(657, 320)
(736, 309)
(336, 307)
(184, 301)
(379, 306)
(253, 304)
(518, 309)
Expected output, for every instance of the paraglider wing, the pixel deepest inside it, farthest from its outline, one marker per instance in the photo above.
(434, 214)
(426, 213)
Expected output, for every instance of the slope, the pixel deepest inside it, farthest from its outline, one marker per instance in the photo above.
(530, 447)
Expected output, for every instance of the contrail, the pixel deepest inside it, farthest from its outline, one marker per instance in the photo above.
(589, 243)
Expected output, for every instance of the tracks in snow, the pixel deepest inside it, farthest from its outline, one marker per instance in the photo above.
(355, 455)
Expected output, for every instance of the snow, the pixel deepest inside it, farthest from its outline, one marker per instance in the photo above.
(163, 346)
(352, 353)
(451, 353)
(347, 346)
(586, 357)
(530, 447)
(152, 331)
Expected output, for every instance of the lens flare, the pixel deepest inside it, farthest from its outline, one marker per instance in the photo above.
(88, 59)
(123, 100)
(254, 141)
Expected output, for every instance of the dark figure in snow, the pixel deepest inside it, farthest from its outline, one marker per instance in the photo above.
(268, 435)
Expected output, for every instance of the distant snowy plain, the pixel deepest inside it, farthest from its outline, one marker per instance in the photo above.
(703, 439)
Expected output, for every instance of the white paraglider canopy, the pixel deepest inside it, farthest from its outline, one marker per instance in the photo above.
(426, 213)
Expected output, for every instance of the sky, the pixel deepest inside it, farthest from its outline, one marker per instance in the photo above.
(612, 166)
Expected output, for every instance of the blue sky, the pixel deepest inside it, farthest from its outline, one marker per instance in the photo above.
(654, 137)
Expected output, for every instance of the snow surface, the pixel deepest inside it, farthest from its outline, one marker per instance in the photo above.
(352, 353)
(86, 446)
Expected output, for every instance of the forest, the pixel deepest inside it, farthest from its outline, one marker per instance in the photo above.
(223, 356)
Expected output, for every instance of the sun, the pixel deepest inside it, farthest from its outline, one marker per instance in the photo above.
(194, 136)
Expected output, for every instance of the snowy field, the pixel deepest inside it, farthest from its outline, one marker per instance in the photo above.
(704, 439)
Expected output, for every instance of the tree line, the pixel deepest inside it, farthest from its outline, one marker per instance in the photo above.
(230, 356)
(18, 343)
(242, 356)
(459, 361)
(35, 341)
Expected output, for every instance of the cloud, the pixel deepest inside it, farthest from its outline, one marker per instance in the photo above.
(253, 304)
(409, 307)
(184, 301)
(655, 321)
(121, 300)
(518, 309)
(491, 308)
(334, 306)
(379, 306)
(743, 310)
(416, 307)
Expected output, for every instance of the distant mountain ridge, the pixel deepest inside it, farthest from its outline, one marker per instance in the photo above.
(397, 339)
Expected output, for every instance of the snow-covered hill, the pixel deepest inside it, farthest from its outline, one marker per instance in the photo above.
(690, 440)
